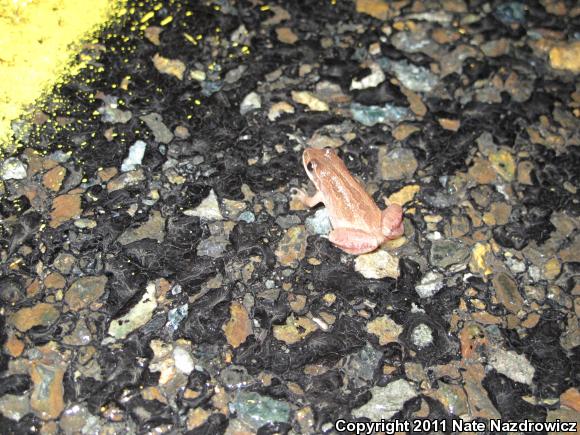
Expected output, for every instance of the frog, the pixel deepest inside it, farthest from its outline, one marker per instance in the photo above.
(359, 226)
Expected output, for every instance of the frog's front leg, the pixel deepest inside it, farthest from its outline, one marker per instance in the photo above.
(304, 198)
(353, 241)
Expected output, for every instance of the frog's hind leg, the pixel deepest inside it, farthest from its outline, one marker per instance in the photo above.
(392, 221)
(353, 241)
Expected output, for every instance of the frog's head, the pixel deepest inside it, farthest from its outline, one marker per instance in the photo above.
(319, 163)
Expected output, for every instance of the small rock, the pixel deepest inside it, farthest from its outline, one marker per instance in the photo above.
(197, 418)
(449, 124)
(566, 57)
(506, 291)
(239, 326)
(514, 366)
(256, 410)
(14, 407)
(11, 290)
(172, 67)
(110, 111)
(278, 109)
(286, 35)
(292, 248)
(396, 164)
(309, 100)
(176, 315)
(252, 101)
(422, 336)
(127, 179)
(403, 131)
(137, 316)
(183, 360)
(247, 216)
(375, 78)
(152, 229)
(503, 163)
(152, 34)
(84, 291)
(53, 179)
(372, 115)
(319, 223)
(47, 399)
(386, 329)
(430, 284)
(294, 330)
(181, 132)
(65, 208)
(412, 77)
(405, 195)
(377, 265)
(386, 401)
(208, 209)
(42, 314)
(135, 157)
(445, 253)
(375, 8)
(482, 171)
(160, 131)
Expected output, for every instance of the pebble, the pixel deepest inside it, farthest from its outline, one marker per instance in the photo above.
(309, 100)
(286, 35)
(208, 208)
(47, 374)
(84, 291)
(173, 67)
(14, 406)
(375, 78)
(257, 410)
(238, 327)
(127, 179)
(295, 329)
(153, 228)
(385, 328)
(41, 314)
(377, 265)
(292, 248)
(405, 195)
(566, 57)
(422, 336)
(507, 293)
(396, 164)
(372, 115)
(252, 101)
(64, 208)
(413, 77)
(278, 109)
(137, 316)
(53, 179)
(448, 252)
(319, 223)
(176, 315)
(386, 401)
(160, 131)
(430, 284)
(375, 8)
(513, 365)
(247, 216)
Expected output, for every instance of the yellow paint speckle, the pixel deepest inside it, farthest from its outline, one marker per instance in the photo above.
(38, 39)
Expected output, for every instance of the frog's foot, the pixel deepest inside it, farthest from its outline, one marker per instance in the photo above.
(392, 221)
(353, 241)
(304, 198)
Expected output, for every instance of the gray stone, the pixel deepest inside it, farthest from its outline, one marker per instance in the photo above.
(430, 284)
(386, 401)
(135, 157)
(13, 169)
(155, 123)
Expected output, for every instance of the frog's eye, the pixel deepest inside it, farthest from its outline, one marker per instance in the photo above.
(310, 166)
